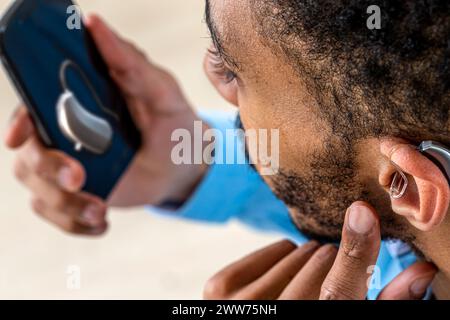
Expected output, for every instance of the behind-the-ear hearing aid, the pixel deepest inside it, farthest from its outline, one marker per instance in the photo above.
(439, 154)
(85, 129)
(436, 152)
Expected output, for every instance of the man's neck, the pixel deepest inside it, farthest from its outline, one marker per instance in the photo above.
(436, 246)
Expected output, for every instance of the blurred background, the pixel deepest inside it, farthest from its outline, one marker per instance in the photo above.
(143, 256)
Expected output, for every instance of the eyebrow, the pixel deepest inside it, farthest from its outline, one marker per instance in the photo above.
(216, 39)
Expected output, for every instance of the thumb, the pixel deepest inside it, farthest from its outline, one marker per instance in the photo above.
(136, 76)
(348, 278)
(114, 50)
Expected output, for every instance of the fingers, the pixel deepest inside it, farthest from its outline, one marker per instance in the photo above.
(55, 180)
(307, 283)
(359, 249)
(272, 284)
(129, 67)
(138, 79)
(76, 214)
(20, 128)
(411, 284)
(236, 276)
(73, 212)
(49, 165)
(133, 73)
(113, 49)
(75, 205)
(35, 159)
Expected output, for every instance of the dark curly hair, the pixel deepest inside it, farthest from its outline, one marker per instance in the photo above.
(392, 81)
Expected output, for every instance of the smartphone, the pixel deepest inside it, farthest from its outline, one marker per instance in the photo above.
(58, 72)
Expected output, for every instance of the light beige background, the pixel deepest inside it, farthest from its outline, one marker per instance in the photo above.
(142, 256)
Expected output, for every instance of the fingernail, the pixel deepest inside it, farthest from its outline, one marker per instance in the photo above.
(361, 219)
(92, 215)
(419, 287)
(311, 246)
(326, 251)
(65, 178)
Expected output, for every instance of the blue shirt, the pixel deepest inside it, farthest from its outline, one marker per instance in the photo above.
(237, 192)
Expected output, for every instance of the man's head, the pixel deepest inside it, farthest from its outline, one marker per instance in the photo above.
(347, 101)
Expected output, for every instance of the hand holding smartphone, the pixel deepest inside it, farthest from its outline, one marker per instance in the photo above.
(75, 105)
(55, 178)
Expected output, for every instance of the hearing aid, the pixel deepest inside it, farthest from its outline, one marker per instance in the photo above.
(436, 152)
(439, 154)
(399, 183)
(85, 129)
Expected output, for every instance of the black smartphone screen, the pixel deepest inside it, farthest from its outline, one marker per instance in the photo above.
(36, 41)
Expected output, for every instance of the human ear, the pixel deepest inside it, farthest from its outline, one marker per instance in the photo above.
(227, 89)
(427, 198)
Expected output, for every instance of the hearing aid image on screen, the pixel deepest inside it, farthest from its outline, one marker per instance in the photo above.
(68, 85)
(85, 129)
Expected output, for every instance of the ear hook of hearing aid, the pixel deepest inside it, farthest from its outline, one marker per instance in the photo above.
(399, 183)
(65, 85)
(79, 125)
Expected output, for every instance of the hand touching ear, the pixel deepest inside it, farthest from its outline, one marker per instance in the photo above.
(426, 201)
(310, 272)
